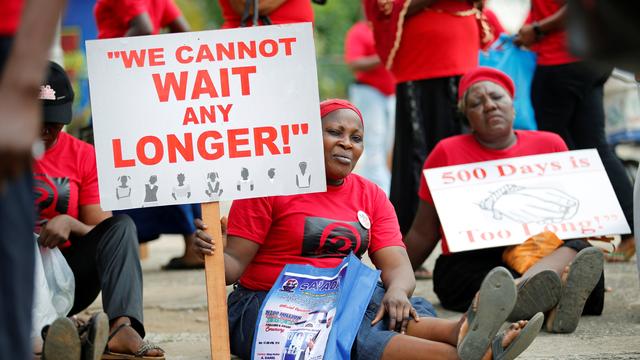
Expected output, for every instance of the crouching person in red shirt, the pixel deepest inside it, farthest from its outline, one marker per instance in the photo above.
(102, 250)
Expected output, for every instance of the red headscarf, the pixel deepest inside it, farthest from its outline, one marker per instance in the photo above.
(485, 74)
(330, 105)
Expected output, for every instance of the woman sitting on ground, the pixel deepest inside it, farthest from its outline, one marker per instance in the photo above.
(486, 101)
(101, 249)
(265, 234)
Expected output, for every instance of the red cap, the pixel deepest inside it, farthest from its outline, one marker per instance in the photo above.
(331, 105)
(485, 74)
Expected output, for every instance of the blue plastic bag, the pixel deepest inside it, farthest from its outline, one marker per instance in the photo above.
(314, 313)
(520, 65)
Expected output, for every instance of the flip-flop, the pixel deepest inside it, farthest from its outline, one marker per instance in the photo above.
(61, 341)
(138, 355)
(584, 273)
(538, 293)
(520, 343)
(94, 336)
(495, 301)
(179, 264)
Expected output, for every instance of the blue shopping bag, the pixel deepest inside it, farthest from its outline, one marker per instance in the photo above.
(314, 313)
(520, 65)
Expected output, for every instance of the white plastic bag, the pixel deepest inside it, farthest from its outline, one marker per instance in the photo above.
(54, 288)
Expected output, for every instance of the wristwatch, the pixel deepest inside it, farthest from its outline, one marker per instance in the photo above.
(538, 31)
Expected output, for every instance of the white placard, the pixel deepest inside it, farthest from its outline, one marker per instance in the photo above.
(206, 116)
(504, 202)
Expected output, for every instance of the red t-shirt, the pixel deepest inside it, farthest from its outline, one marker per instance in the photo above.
(359, 43)
(113, 16)
(291, 11)
(552, 48)
(65, 179)
(464, 149)
(10, 12)
(318, 229)
(436, 43)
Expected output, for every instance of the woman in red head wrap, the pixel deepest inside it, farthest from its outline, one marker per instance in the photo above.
(354, 215)
(486, 102)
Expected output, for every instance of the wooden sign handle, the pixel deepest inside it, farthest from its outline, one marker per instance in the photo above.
(216, 286)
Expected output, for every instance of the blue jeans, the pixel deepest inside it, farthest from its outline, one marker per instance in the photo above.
(378, 111)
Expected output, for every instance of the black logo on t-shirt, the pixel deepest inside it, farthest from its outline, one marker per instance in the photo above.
(333, 238)
(52, 195)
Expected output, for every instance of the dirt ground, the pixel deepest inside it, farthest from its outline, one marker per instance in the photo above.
(176, 313)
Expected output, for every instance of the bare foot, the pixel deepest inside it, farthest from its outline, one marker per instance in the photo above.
(464, 327)
(37, 348)
(127, 340)
(510, 334)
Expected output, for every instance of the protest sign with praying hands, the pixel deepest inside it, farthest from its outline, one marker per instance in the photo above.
(530, 205)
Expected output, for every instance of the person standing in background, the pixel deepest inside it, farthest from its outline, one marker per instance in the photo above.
(567, 97)
(270, 12)
(118, 18)
(373, 92)
(427, 45)
(24, 45)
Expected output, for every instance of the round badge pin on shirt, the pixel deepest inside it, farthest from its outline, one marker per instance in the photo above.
(363, 218)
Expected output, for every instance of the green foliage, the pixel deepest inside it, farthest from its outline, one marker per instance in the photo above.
(332, 21)
(201, 14)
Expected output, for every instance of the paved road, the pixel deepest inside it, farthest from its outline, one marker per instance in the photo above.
(175, 313)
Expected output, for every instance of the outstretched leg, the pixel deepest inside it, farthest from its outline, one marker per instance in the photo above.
(433, 338)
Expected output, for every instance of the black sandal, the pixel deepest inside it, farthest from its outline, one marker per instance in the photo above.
(93, 336)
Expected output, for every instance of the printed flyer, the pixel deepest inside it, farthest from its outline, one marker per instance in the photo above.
(297, 317)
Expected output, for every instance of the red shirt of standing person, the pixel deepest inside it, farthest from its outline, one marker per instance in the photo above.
(121, 18)
(373, 93)
(278, 11)
(360, 54)
(427, 45)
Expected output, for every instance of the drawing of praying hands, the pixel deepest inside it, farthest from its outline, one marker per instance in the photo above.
(531, 205)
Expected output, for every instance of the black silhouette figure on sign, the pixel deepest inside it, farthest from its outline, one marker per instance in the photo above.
(123, 191)
(303, 177)
(213, 185)
(151, 190)
(182, 191)
(244, 183)
(271, 174)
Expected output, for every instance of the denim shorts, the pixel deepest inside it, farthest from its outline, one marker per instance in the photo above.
(244, 306)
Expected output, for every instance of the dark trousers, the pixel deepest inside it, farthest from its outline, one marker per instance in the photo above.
(426, 112)
(106, 259)
(17, 261)
(457, 277)
(567, 100)
(17, 256)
